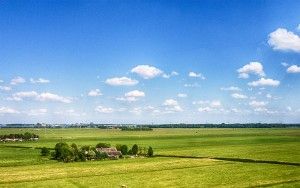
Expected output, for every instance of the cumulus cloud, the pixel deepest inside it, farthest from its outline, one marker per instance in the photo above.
(181, 95)
(39, 81)
(17, 80)
(256, 104)
(238, 96)
(215, 104)
(284, 64)
(231, 88)
(293, 69)
(19, 96)
(5, 88)
(105, 110)
(196, 75)
(251, 68)
(172, 105)
(146, 71)
(264, 82)
(173, 73)
(7, 110)
(132, 96)
(121, 81)
(95, 93)
(284, 40)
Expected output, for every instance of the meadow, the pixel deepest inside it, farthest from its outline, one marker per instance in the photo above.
(22, 166)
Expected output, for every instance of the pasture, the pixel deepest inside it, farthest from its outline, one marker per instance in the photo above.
(22, 166)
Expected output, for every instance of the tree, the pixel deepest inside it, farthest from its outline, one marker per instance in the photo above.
(124, 150)
(150, 152)
(135, 149)
(102, 145)
(45, 151)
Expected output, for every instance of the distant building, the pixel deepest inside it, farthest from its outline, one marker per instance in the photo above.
(111, 152)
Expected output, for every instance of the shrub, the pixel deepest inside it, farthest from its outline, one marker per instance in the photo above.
(135, 149)
(45, 151)
(124, 149)
(150, 152)
(102, 145)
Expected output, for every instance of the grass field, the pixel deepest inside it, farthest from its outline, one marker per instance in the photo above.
(22, 166)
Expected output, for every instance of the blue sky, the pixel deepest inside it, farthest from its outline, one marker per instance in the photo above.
(149, 61)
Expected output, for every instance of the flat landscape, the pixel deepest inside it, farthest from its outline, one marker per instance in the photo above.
(184, 158)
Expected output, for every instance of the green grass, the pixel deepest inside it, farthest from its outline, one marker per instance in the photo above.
(21, 165)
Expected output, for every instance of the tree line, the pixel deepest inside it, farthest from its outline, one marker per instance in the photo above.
(72, 153)
(26, 137)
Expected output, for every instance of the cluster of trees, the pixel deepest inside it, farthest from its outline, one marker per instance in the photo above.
(136, 128)
(135, 150)
(26, 136)
(70, 153)
(228, 125)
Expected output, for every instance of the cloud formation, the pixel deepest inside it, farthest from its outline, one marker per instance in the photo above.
(17, 80)
(94, 93)
(283, 40)
(172, 105)
(105, 110)
(132, 96)
(251, 68)
(39, 81)
(46, 96)
(196, 75)
(147, 71)
(238, 96)
(293, 69)
(264, 82)
(121, 81)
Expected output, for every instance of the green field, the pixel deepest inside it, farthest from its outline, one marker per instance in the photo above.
(22, 166)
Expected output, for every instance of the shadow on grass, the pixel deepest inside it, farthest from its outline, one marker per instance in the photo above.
(233, 159)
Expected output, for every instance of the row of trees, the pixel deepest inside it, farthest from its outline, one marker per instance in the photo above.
(25, 136)
(70, 153)
(136, 129)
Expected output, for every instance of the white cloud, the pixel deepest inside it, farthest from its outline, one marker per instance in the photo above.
(201, 102)
(105, 110)
(173, 73)
(231, 88)
(37, 112)
(17, 80)
(146, 71)
(215, 104)
(205, 109)
(264, 82)
(7, 110)
(284, 40)
(95, 93)
(182, 95)
(251, 68)
(121, 81)
(132, 96)
(196, 75)
(136, 110)
(5, 88)
(39, 80)
(284, 64)
(53, 97)
(40, 97)
(238, 96)
(293, 69)
(192, 85)
(256, 104)
(172, 105)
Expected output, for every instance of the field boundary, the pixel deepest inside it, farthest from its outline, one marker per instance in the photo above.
(242, 160)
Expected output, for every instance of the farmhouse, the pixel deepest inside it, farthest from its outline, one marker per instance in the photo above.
(111, 152)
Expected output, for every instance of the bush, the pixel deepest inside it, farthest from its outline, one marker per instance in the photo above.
(150, 152)
(135, 149)
(45, 151)
(124, 149)
(102, 145)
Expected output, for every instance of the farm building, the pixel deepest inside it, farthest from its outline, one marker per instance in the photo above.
(111, 152)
